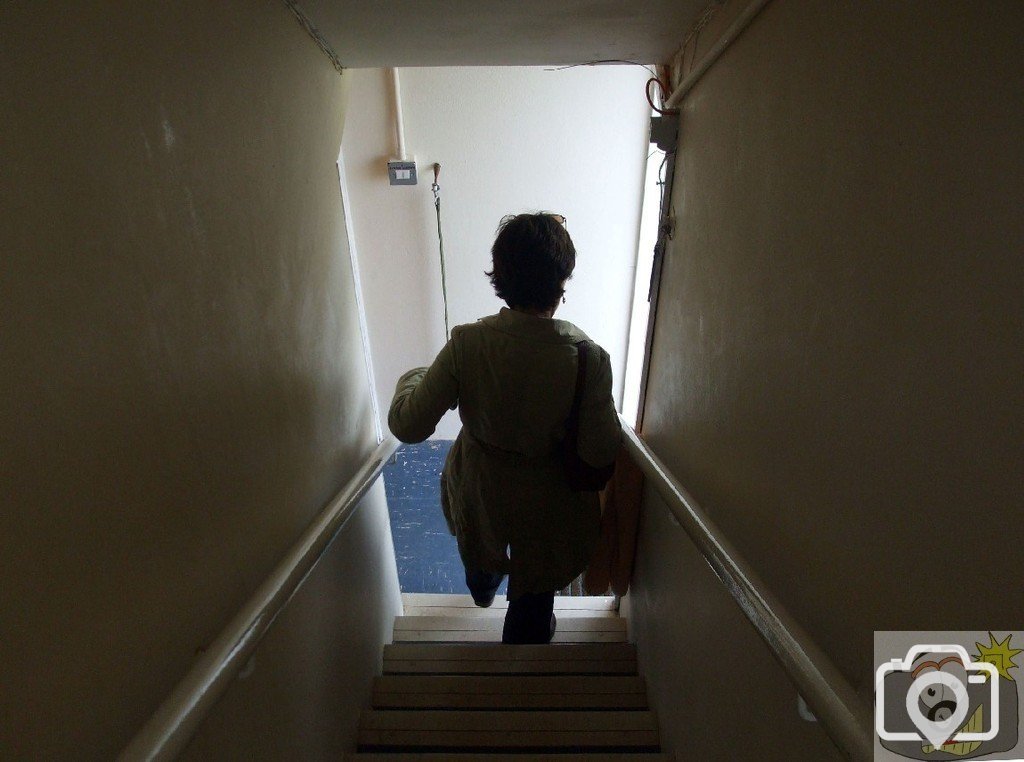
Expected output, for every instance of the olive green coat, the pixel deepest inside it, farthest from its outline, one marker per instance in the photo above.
(513, 376)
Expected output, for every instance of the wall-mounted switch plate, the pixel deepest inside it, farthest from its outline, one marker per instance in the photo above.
(402, 172)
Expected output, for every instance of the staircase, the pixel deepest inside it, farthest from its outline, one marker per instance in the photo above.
(451, 691)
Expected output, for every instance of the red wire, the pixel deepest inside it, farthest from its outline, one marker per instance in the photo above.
(664, 95)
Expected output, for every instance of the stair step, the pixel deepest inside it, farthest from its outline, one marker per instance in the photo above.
(510, 757)
(508, 692)
(488, 658)
(433, 730)
(562, 602)
(498, 612)
(494, 636)
(467, 623)
(488, 629)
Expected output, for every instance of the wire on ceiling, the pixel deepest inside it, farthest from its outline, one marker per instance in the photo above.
(601, 62)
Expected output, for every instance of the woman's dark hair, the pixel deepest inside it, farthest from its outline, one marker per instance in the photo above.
(531, 258)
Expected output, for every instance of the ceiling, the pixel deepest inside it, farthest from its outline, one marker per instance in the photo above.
(372, 33)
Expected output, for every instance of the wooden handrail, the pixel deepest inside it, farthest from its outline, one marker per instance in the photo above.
(826, 691)
(832, 699)
(175, 721)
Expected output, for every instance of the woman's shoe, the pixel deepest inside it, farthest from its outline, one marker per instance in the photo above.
(524, 625)
(485, 601)
(483, 586)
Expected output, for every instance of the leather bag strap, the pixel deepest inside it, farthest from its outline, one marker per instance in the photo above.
(573, 425)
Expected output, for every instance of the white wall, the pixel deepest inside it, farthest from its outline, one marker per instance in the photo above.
(509, 139)
(312, 672)
(836, 373)
(182, 387)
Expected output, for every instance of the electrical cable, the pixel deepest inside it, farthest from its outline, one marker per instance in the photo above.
(647, 87)
(661, 183)
(601, 62)
(664, 95)
(436, 189)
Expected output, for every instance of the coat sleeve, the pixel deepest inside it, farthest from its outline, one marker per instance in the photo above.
(600, 436)
(422, 396)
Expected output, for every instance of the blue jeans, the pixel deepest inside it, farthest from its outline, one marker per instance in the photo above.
(529, 618)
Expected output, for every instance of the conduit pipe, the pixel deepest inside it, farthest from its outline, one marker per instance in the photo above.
(399, 119)
(741, 22)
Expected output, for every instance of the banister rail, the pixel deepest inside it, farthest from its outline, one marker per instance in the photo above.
(175, 721)
(832, 699)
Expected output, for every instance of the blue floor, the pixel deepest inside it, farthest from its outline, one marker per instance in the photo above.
(428, 558)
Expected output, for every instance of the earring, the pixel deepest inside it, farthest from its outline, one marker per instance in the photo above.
(563, 300)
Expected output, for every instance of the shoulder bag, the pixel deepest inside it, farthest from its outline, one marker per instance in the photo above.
(582, 477)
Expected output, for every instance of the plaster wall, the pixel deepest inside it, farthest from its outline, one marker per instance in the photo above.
(509, 139)
(837, 366)
(182, 387)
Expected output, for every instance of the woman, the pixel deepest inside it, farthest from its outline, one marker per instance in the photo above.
(513, 378)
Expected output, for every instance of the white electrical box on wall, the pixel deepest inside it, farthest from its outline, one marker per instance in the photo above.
(402, 172)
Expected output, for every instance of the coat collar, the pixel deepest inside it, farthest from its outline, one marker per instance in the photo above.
(549, 330)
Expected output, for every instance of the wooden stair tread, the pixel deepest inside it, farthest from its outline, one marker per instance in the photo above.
(505, 684)
(511, 668)
(494, 636)
(501, 652)
(508, 692)
(496, 612)
(513, 721)
(508, 757)
(464, 629)
(422, 740)
(459, 623)
(495, 658)
(582, 602)
(515, 701)
(534, 740)
(463, 700)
